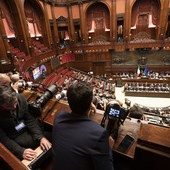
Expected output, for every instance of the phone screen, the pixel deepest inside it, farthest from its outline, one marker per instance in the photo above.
(125, 143)
(114, 112)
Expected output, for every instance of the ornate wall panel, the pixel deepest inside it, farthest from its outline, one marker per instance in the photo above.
(141, 56)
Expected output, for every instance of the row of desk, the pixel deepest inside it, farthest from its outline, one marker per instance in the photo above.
(147, 94)
(151, 146)
(130, 126)
(143, 80)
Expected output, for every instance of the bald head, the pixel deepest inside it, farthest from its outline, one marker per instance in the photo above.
(15, 77)
(4, 79)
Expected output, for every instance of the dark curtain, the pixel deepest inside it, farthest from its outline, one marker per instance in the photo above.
(89, 20)
(31, 15)
(145, 7)
(5, 14)
(100, 13)
(155, 12)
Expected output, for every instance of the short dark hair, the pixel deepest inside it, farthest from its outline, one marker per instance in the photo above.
(80, 96)
(7, 94)
(136, 112)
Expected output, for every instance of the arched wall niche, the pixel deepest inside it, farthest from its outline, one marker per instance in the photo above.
(35, 4)
(133, 1)
(154, 32)
(104, 23)
(20, 39)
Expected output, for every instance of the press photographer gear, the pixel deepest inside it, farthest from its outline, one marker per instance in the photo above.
(61, 95)
(36, 106)
(27, 84)
(15, 78)
(113, 117)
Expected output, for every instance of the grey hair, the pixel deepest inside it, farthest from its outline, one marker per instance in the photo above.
(7, 95)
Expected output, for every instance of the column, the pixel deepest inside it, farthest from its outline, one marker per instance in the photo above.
(81, 22)
(55, 28)
(4, 47)
(49, 36)
(22, 33)
(126, 34)
(163, 20)
(71, 24)
(113, 27)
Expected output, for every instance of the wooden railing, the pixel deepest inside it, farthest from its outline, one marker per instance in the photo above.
(119, 46)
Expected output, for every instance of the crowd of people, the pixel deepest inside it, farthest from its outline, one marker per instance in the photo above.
(74, 137)
(19, 130)
(152, 87)
(142, 74)
(21, 134)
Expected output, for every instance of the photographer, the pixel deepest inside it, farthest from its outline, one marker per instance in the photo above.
(78, 142)
(19, 131)
(5, 79)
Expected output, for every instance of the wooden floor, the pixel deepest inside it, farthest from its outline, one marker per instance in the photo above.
(145, 101)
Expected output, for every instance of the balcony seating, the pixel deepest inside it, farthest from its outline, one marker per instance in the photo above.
(20, 55)
(49, 79)
(60, 70)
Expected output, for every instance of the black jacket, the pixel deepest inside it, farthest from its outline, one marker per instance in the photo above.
(80, 144)
(18, 141)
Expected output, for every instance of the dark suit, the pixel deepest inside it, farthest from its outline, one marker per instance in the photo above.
(80, 144)
(17, 141)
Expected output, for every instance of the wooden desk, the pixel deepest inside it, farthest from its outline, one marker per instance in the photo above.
(53, 107)
(130, 126)
(9, 161)
(153, 148)
(135, 80)
(156, 136)
(147, 94)
(28, 94)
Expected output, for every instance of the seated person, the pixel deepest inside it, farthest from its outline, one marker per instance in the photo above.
(19, 131)
(136, 112)
(78, 142)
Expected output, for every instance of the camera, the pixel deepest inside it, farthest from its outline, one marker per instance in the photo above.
(99, 102)
(114, 116)
(61, 95)
(36, 106)
(22, 84)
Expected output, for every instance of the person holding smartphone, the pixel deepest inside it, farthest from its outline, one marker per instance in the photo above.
(19, 130)
(79, 143)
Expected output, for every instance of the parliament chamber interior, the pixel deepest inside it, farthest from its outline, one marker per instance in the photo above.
(119, 47)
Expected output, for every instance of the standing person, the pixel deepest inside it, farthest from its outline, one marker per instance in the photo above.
(19, 131)
(78, 142)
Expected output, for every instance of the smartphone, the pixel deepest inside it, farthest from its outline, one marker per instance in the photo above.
(126, 143)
